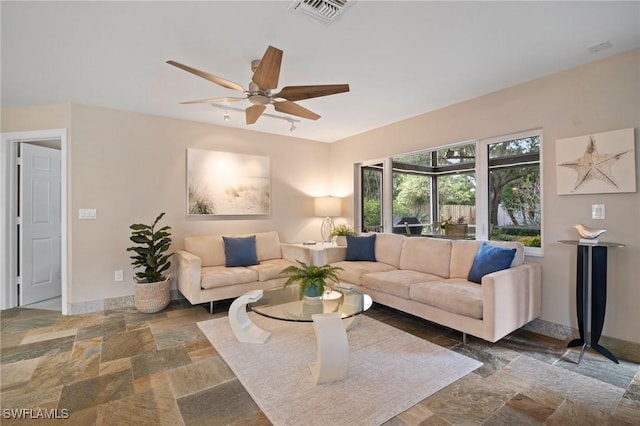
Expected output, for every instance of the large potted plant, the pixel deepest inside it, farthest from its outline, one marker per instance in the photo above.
(341, 232)
(152, 288)
(312, 279)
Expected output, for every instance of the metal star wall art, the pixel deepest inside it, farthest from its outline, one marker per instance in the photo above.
(598, 163)
(593, 165)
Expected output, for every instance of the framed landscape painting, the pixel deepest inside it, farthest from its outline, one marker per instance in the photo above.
(223, 183)
(597, 163)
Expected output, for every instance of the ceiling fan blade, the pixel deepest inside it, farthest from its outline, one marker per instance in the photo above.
(254, 112)
(212, 78)
(268, 72)
(297, 93)
(214, 100)
(294, 109)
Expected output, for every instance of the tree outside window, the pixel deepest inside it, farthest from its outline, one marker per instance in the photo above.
(371, 190)
(514, 190)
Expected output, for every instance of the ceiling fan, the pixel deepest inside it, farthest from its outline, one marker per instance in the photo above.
(266, 72)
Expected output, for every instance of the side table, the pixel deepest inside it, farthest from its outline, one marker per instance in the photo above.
(318, 254)
(598, 257)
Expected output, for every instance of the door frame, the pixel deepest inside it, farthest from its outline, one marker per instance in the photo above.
(8, 220)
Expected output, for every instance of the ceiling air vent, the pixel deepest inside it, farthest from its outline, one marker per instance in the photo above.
(322, 10)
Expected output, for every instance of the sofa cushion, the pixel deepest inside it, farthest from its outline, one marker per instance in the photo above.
(395, 282)
(389, 248)
(454, 295)
(361, 248)
(240, 251)
(352, 271)
(209, 248)
(268, 246)
(428, 255)
(271, 269)
(220, 276)
(462, 254)
(490, 259)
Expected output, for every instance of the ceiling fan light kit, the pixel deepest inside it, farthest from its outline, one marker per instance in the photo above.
(266, 73)
(227, 116)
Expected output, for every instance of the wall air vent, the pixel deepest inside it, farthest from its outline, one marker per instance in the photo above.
(323, 10)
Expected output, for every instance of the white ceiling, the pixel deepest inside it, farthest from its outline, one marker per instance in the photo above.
(401, 59)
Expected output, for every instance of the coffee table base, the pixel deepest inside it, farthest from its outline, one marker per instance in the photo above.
(243, 328)
(332, 357)
(332, 345)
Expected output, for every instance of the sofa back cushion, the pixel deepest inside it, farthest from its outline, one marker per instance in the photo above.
(428, 255)
(268, 245)
(389, 248)
(463, 252)
(210, 248)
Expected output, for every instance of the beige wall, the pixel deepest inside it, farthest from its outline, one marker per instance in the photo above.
(130, 167)
(599, 97)
(40, 117)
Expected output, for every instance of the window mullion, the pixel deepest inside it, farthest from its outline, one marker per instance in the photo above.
(482, 190)
(387, 195)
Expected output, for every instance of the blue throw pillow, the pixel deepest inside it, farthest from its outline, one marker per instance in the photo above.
(240, 251)
(490, 259)
(361, 248)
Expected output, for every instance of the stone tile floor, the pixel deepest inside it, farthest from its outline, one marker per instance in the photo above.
(123, 367)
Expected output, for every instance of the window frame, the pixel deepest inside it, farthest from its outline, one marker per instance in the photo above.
(386, 196)
(482, 196)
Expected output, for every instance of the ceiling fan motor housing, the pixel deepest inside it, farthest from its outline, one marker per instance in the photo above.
(259, 99)
(258, 96)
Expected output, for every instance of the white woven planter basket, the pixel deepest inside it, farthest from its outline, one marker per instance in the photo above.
(152, 297)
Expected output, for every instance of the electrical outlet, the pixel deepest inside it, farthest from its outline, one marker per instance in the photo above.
(119, 275)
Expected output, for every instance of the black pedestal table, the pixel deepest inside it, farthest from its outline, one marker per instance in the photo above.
(598, 295)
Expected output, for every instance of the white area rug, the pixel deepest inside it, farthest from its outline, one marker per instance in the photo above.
(389, 372)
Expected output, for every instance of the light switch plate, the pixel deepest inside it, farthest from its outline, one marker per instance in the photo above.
(597, 211)
(87, 214)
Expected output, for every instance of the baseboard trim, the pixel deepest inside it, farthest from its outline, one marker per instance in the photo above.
(121, 302)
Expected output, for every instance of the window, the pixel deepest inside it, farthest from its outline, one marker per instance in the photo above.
(371, 196)
(488, 189)
(435, 187)
(514, 191)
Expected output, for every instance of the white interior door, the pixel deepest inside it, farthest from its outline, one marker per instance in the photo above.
(40, 226)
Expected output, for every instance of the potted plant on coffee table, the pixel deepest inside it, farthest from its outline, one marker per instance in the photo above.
(312, 279)
(152, 288)
(341, 232)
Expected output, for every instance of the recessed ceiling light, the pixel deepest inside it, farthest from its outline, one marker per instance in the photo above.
(600, 46)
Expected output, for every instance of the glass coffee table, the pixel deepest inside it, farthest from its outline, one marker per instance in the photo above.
(332, 315)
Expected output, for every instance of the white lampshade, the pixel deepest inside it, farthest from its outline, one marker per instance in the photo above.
(328, 206)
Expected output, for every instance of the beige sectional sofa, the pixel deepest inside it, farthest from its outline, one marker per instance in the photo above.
(203, 277)
(427, 277)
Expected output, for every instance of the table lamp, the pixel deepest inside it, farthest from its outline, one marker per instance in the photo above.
(327, 207)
